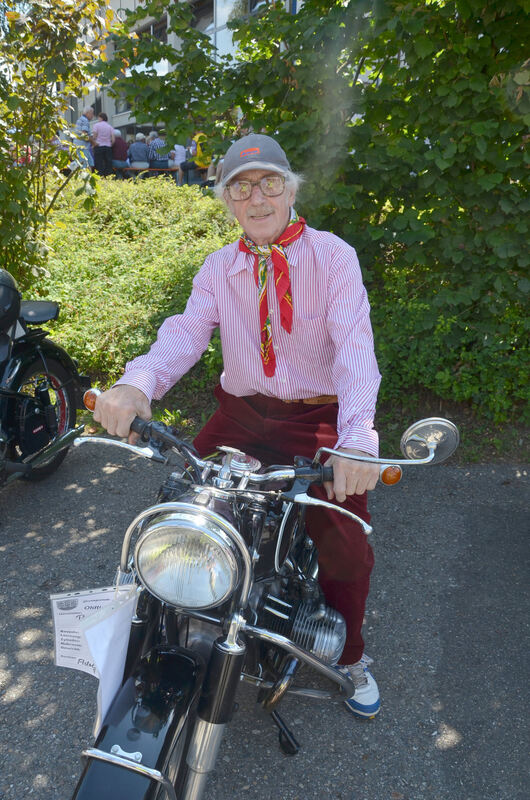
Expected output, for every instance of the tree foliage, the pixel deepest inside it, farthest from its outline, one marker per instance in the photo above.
(45, 50)
(409, 120)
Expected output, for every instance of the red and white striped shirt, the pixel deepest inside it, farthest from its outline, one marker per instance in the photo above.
(329, 351)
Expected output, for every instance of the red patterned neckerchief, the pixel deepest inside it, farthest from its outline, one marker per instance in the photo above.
(282, 281)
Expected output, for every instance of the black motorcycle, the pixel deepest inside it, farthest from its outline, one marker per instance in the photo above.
(226, 582)
(40, 388)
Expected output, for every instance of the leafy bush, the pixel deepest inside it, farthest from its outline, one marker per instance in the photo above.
(119, 269)
(410, 123)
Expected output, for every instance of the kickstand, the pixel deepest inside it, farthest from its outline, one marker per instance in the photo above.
(288, 743)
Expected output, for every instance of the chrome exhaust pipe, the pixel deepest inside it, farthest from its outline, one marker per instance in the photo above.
(42, 456)
(64, 440)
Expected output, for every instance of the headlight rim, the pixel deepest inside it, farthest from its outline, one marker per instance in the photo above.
(224, 537)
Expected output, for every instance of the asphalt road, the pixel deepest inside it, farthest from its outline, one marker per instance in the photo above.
(447, 625)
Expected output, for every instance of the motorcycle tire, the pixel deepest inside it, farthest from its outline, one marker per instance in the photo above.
(63, 398)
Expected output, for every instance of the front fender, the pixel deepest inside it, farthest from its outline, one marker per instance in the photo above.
(148, 716)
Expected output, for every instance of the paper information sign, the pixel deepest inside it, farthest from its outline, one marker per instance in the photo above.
(69, 610)
(91, 635)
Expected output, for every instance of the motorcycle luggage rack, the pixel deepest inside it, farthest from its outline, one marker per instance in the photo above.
(125, 763)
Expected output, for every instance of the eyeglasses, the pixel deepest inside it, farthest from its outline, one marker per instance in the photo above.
(270, 185)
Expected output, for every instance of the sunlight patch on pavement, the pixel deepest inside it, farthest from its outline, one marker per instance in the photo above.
(447, 737)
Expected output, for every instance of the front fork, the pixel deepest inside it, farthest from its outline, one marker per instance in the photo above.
(215, 709)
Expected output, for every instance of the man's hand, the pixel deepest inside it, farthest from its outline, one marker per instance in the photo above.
(350, 477)
(117, 408)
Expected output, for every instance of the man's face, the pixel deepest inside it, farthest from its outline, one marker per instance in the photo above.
(89, 114)
(262, 218)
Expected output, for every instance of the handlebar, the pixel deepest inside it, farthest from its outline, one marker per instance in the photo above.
(152, 432)
(149, 430)
(427, 441)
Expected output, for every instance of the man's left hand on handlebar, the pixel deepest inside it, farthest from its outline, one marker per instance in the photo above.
(350, 477)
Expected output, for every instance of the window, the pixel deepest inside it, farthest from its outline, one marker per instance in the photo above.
(255, 5)
(210, 17)
(203, 16)
(158, 31)
(122, 104)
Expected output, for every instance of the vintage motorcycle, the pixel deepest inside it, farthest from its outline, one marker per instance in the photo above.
(227, 591)
(40, 388)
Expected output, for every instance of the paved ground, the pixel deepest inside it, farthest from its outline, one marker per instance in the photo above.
(447, 624)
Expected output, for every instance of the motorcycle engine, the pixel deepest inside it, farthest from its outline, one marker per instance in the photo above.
(32, 429)
(317, 628)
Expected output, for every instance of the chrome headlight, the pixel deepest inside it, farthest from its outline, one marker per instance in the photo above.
(187, 559)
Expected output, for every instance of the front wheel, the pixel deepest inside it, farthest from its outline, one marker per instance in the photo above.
(62, 406)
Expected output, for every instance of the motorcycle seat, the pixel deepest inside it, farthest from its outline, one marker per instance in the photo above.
(34, 312)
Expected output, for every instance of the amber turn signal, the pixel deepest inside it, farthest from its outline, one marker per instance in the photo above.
(89, 398)
(391, 475)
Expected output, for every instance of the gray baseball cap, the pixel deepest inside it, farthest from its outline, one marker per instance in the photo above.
(255, 151)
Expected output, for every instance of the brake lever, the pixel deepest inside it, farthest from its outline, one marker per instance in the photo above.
(298, 494)
(149, 451)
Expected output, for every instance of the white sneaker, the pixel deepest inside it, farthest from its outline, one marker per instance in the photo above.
(365, 701)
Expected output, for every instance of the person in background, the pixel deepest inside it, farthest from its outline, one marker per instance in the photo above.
(138, 151)
(197, 161)
(103, 139)
(138, 155)
(158, 152)
(82, 140)
(120, 158)
(299, 369)
(177, 155)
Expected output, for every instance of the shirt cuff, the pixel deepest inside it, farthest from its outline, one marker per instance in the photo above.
(140, 379)
(360, 439)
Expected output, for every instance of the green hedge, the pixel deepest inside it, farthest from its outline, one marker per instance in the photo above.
(120, 268)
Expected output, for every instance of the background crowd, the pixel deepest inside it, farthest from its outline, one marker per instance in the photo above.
(103, 149)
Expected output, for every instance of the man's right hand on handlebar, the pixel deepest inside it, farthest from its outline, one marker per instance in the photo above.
(116, 409)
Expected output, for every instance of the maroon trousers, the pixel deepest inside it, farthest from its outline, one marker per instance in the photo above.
(274, 432)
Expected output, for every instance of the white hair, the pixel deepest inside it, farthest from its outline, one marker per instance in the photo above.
(293, 180)
(117, 132)
(87, 108)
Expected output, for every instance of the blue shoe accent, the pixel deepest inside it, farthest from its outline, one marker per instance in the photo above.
(365, 702)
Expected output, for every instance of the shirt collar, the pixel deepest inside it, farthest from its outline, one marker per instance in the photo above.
(246, 260)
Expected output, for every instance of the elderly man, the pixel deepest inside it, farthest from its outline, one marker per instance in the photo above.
(299, 368)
